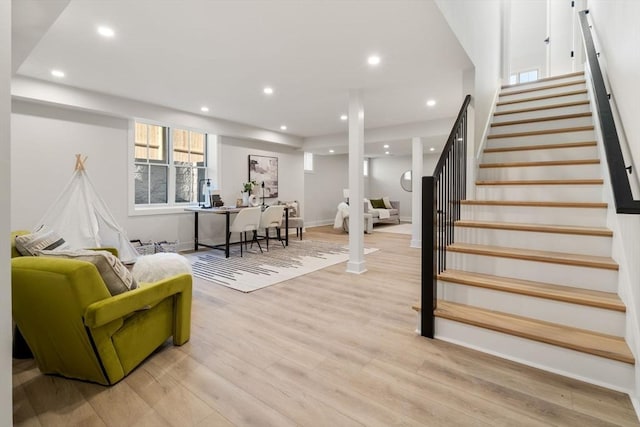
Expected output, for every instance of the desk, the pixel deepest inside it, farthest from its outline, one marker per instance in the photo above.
(227, 213)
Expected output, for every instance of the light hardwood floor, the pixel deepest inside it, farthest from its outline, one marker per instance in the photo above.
(326, 349)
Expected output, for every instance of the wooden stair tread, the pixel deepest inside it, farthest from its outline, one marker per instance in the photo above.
(558, 229)
(551, 257)
(542, 147)
(547, 87)
(542, 107)
(541, 132)
(581, 205)
(603, 345)
(542, 119)
(541, 163)
(543, 97)
(546, 79)
(587, 297)
(543, 182)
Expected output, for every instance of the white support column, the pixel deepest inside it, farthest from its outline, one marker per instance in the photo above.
(6, 389)
(417, 160)
(356, 262)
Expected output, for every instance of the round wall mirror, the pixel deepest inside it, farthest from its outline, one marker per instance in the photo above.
(405, 181)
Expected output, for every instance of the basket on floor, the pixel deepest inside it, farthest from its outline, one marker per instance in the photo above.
(144, 248)
(166, 246)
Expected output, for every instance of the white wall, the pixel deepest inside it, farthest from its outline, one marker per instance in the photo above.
(385, 175)
(46, 138)
(615, 26)
(478, 27)
(323, 188)
(6, 410)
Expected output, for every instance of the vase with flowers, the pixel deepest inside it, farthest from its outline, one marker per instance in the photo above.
(247, 187)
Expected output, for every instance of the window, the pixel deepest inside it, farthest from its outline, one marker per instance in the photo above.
(365, 167)
(308, 162)
(151, 164)
(189, 160)
(523, 77)
(170, 165)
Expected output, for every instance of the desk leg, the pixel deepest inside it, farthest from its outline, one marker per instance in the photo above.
(196, 233)
(226, 234)
(286, 229)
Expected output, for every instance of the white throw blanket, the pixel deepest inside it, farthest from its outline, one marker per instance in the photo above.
(383, 213)
(343, 212)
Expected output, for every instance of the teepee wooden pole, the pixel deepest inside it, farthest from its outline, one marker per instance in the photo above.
(80, 162)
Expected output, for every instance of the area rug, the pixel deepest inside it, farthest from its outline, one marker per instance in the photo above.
(404, 228)
(257, 270)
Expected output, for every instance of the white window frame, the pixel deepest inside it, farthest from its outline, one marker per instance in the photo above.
(212, 170)
(365, 167)
(517, 76)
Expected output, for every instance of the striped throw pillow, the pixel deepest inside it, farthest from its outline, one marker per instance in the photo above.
(42, 239)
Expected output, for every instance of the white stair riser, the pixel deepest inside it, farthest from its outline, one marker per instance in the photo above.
(551, 112)
(575, 315)
(597, 279)
(541, 102)
(543, 83)
(586, 367)
(590, 217)
(577, 244)
(574, 153)
(544, 193)
(550, 138)
(589, 171)
(545, 125)
(510, 96)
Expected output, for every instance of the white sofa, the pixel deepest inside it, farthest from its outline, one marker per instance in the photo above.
(394, 213)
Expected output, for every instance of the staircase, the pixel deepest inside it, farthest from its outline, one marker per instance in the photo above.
(530, 276)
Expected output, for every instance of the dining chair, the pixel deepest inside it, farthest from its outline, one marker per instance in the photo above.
(247, 220)
(272, 218)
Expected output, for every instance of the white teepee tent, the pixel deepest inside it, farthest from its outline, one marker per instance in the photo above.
(83, 220)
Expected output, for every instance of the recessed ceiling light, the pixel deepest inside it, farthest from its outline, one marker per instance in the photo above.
(344, 117)
(385, 146)
(431, 103)
(386, 152)
(268, 90)
(106, 31)
(204, 109)
(57, 73)
(283, 127)
(332, 151)
(432, 149)
(373, 60)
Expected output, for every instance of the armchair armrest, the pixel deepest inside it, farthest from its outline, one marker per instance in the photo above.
(107, 310)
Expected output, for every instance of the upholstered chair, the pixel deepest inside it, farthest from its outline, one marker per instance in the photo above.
(247, 220)
(272, 219)
(77, 329)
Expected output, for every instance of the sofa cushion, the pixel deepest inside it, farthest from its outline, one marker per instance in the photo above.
(115, 275)
(387, 203)
(378, 204)
(42, 239)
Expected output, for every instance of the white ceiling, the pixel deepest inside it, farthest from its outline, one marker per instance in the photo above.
(190, 53)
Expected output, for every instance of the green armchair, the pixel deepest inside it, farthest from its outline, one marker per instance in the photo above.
(76, 329)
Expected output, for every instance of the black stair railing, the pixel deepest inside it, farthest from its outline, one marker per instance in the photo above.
(441, 196)
(622, 195)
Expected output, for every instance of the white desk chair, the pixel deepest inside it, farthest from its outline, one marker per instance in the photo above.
(272, 218)
(247, 219)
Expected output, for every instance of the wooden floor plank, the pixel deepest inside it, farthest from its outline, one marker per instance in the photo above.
(540, 228)
(325, 348)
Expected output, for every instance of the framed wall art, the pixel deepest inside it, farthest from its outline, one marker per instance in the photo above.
(264, 171)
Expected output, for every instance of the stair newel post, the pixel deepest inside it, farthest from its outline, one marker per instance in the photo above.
(429, 261)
